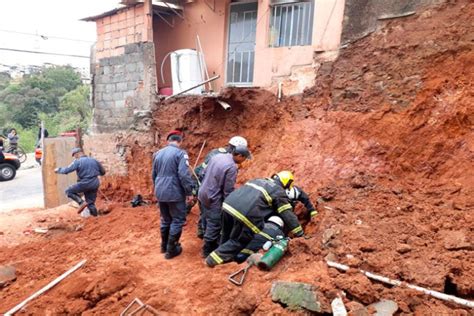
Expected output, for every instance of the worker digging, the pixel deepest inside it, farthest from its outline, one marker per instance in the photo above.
(245, 211)
(199, 172)
(296, 194)
(219, 181)
(88, 170)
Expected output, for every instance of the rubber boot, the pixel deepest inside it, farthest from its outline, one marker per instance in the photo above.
(76, 198)
(208, 247)
(93, 210)
(173, 248)
(165, 232)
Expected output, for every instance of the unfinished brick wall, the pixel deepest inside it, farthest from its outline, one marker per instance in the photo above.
(114, 32)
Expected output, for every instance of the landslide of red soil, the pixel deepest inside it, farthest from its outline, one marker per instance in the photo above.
(384, 141)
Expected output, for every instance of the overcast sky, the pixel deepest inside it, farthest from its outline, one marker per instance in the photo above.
(56, 18)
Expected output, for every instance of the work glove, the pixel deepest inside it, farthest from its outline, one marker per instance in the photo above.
(313, 213)
(299, 234)
(56, 170)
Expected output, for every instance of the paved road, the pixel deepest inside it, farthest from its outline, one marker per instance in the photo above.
(25, 191)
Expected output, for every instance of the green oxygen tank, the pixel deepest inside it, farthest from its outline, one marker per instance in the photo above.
(274, 254)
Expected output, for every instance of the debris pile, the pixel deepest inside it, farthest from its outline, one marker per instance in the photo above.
(384, 142)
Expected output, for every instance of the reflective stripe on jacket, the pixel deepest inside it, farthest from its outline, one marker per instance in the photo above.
(259, 199)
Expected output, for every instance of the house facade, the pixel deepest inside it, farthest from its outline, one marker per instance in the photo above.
(271, 44)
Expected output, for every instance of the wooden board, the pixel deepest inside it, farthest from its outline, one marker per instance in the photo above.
(57, 153)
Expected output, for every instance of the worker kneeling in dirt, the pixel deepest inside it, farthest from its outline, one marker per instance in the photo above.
(217, 184)
(245, 212)
(173, 188)
(295, 195)
(88, 170)
(273, 228)
(200, 170)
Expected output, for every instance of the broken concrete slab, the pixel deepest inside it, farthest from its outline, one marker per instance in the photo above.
(296, 295)
(7, 275)
(384, 308)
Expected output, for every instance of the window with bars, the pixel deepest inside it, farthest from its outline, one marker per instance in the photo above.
(291, 23)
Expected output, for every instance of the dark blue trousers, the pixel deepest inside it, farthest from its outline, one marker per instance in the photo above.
(173, 216)
(89, 189)
(212, 223)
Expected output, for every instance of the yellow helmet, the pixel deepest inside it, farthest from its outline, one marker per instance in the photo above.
(286, 178)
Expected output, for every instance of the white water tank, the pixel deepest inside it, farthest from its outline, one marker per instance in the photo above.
(186, 71)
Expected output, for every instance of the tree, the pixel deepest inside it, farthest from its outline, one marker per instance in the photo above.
(77, 101)
(39, 92)
(4, 80)
(62, 77)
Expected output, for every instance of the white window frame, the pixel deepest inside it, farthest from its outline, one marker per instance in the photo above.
(277, 23)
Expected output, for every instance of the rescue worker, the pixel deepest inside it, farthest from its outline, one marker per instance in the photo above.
(199, 170)
(88, 170)
(273, 227)
(218, 183)
(295, 195)
(173, 189)
(245, 212)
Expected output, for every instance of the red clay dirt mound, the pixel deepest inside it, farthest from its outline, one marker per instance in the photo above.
(384, 141)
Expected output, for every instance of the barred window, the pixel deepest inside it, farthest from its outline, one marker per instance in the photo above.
(291, 23)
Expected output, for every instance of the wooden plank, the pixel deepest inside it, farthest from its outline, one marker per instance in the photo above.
(57, 153)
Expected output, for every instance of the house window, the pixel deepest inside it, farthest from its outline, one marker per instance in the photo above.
(291, 23)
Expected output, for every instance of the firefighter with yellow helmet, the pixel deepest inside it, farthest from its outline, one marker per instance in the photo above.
(246, 210)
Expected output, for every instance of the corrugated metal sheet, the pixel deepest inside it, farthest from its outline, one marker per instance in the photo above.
(129, 3)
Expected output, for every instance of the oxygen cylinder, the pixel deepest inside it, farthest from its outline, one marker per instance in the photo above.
(274, 254)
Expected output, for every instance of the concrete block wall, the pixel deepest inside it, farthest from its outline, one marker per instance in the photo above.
(124, 87)
(114, 32)
(107, 149)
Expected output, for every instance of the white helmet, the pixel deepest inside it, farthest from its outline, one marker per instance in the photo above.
(293, 193)
(277, 220)
(238, 141)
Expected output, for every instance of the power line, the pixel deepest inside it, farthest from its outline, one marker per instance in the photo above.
(46, 37)
(42, 53)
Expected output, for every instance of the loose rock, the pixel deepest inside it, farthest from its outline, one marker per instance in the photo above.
(296, 295)
(403, 248)
(456, 240)
(384, 308)
(7, 275)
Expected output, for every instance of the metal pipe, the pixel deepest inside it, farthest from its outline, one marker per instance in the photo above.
(383, 279)
(194, 87)
(45, 288)
(224, 104)
(280, 85)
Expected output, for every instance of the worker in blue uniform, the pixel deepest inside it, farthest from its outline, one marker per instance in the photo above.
(88, 170)
(173, 189)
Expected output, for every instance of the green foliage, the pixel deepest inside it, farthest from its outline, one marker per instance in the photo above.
(4, 80)
(54, 95)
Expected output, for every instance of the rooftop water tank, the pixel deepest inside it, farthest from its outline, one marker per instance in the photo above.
(186, 71)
